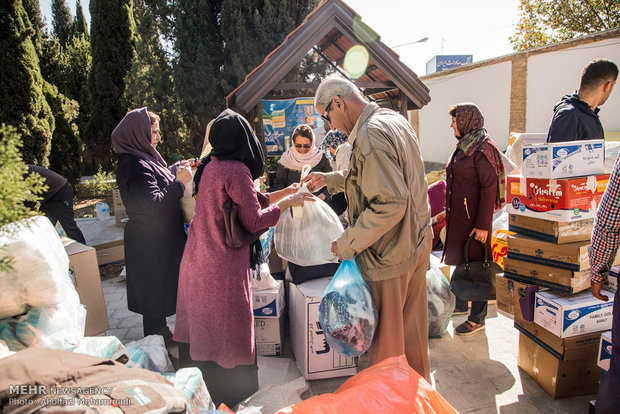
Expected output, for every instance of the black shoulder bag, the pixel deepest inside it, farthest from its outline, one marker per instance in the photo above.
(475, 280)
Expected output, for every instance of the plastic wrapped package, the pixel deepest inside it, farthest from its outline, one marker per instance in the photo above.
(441, 301)
(612, 149)
(188, 202)
(190, 382)
(263, 280)
(58, 327)
(39, 266)
(391, 386)
(500, 219)
(4, 350)
(304, 235)
(148, 353)
(100, 346)
(347, 311)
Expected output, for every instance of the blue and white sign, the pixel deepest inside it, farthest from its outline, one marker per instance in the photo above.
(281, 117)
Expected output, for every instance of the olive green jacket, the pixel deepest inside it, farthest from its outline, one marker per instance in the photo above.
(386, 192)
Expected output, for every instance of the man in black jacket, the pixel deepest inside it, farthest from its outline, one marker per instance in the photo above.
(57, 203)
(576, 116)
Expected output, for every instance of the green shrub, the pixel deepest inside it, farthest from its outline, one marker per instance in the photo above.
(101, 185)
(15, 188)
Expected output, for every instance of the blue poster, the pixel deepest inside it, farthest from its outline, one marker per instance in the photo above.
(281, 117)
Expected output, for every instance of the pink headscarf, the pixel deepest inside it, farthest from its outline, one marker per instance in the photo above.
(133, 136)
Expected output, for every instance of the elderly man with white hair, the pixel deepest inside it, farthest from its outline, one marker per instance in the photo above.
(389, 216)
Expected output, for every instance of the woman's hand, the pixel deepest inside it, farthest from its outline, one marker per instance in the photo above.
(315, 181)
(184, 174)
(294, 200)
(480, 235)
(292, 189)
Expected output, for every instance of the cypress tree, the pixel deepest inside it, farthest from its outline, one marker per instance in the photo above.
(34, 16)
(80, 28)
(62, 23)
(67, 147)
(22, 103)
(198, 46)
(149, 83)
(112, 39)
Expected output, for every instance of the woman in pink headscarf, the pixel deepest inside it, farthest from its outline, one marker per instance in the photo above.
(475, 188)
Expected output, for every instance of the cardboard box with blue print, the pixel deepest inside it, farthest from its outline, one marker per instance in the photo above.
(315, 358)
(516, 298)
(558, 232)
(563, 159)
(569, 256)
(604, 351)
(571, 315)
(269, 334)
(561, 280)
(269, 303)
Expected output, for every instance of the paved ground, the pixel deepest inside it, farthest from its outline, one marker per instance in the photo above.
(476, 374)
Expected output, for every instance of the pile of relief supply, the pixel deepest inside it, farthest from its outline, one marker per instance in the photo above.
(39, 306)
(546, 279)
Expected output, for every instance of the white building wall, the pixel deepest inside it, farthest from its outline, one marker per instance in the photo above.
(555, 74)
(549, 76)
(488, 87)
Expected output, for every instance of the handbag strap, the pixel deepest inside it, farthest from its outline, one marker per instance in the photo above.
(466, 248)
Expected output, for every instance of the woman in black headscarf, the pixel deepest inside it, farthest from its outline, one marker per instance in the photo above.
(214, 306)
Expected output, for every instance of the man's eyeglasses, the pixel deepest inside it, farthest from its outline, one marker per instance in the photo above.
(325, 116)
(306, 146)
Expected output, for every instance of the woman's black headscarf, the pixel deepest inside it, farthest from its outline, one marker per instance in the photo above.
(232, 138)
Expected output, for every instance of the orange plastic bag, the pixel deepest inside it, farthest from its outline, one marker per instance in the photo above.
(390, 386)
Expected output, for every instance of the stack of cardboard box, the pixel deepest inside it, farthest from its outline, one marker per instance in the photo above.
(546, 278)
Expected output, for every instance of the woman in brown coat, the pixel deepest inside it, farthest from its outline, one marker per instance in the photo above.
(474, 189)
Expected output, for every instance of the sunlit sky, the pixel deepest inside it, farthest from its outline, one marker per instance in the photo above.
(458, 27)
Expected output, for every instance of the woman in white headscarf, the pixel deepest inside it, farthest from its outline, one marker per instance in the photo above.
(302, 152)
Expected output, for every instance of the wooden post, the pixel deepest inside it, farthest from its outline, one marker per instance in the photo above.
(403, 103)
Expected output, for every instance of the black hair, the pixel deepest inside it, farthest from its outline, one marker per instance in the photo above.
(597, 72)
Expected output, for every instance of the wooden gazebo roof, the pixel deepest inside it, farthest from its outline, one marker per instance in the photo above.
(331, 29)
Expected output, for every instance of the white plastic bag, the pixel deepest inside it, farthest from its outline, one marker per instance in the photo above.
(304, 236)
(147, 353)
(40, 266)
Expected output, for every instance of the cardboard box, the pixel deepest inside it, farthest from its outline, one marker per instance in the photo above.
(269, 334)
(563, 159)
(558, 378)
(516, 298)
(120, 214)
(572, 315)
(570, 256)
(604, 351)
(563, 199)
(110, 252)
(564, 349)
(314, 356)
(276, 263)
(499, 245)
(561, 280)
(612, 279)
(269, 303)
(559, 232)
(85, 274)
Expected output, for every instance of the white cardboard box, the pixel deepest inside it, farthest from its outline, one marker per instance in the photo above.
(569, 315)
(604, 351)
(269, 334)
(269, 303)
(314, 356)
(563, 159)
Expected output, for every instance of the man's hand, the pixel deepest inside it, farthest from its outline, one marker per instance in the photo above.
(596, 291)
(315, 181)
(335, 250)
